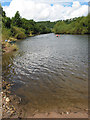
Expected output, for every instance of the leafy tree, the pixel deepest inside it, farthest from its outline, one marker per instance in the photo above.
(7, 22)
(2, 13)
(72, 26)
(16, 20)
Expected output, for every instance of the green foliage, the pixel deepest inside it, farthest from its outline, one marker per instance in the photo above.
(16, 20)
(1, 9)
(2, 13)
(43, 29)
(48, 24)
(28, 25)
(5, 33)
(18, 33)
(72, 26)
(45, 26)
(6, 22)
(35, 27)
(19, 28)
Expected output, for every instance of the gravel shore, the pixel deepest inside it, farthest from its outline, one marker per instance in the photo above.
(10, 102)
(12, 108)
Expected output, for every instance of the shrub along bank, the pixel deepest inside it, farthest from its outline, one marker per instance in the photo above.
(80, 25)
(20, 28)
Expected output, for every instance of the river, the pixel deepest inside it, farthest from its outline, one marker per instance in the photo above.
(49, 72)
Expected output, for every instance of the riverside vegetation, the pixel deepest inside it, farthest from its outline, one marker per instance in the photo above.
(19, 28)
(78, 25)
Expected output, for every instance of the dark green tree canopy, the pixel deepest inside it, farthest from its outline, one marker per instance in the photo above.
(2, 13)
(16, 20)
(6, 22)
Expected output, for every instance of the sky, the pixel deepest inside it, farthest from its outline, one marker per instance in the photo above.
(44, 10)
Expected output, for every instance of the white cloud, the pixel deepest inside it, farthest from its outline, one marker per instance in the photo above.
(76, 4)
(39, 11)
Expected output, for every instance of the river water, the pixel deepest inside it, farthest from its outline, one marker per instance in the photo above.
(49, 72)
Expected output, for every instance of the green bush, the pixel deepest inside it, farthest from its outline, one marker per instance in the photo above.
(72, 26)
(5, 33)
(18, 33)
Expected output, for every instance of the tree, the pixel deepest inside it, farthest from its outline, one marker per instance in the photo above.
(6, 22)
(16, 20)
(72, 26)
(2, 13)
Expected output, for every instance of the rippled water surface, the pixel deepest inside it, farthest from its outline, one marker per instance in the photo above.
(50, 72)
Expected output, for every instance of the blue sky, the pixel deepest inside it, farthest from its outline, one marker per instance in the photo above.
(42, 10)
(5, 3)
(82, 2)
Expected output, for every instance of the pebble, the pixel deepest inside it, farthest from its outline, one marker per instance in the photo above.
(9, 85)
(5, 110)
(7, 99)
(14, 108)
(7, 107)
(3, 106)
(8, 111)
(67, 113)
(12, 112)
(11, 109)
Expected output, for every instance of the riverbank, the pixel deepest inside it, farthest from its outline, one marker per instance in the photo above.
(8, 101)
(60, 115)
(9, 45)
(12, 107)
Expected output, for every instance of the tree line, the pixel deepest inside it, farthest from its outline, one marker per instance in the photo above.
(20, 28)
(80, 25)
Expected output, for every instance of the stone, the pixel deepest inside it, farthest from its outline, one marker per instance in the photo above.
(7, 99)
(12, 112)
(67, 113)
(3, 106)
(9, 85)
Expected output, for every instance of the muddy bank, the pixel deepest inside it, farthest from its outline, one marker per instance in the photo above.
(10, 48)
(60, 115)
(12, 107)
(10, 102)
(9, 45)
